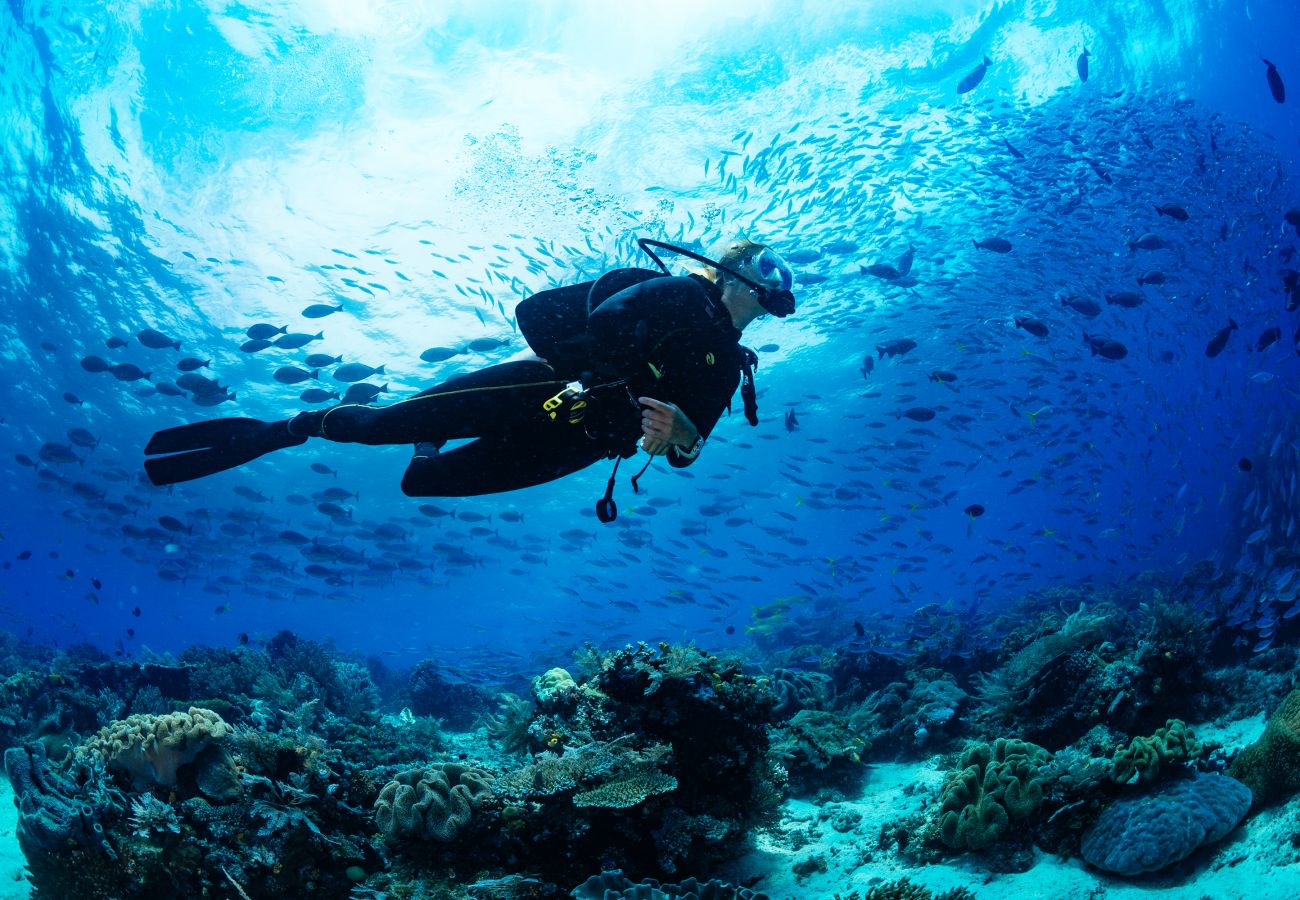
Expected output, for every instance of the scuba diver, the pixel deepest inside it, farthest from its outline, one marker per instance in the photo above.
(637, 355)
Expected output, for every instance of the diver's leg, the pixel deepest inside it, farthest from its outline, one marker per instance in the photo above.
(522, 458)
(479, 403)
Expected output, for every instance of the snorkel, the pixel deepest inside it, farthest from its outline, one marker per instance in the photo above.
(777, 301)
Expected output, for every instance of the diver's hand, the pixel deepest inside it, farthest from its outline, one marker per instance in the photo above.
(664, 425)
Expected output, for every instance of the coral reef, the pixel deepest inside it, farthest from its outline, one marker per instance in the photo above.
(1152, 831)
(615, 886)
(151, 749)
(1146, 759)
(992, 786)
(431, 803)
(1271, 766)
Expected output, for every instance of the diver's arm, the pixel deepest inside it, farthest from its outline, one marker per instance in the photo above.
(664, 427)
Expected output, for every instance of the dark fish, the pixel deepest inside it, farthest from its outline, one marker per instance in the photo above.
(769, 348)
(1293, 219)
(156, 340)
(294, 375)
(1033, 326)
(840, 247)
(485, 345)
(1105, 347)
(317, 395)
(1155, 276)
(881, 270)
(116, 343)
(974, 77)
(25, 555)
(296, 339)
(128, 372)
(1082, 64)
(198, 384)
(996, 244)
(1083, 306)
(1245, 464)
(438, 354)
(1014, 152)
(83, 438)
(942, 377)
(320, 310)
(323, 469)
(1220, 339)
(171, 523)
(868, 364)
(791, 421)
(363, 392)
(94, 364)
(807, 278)
(167, 389)
(321, 360)
(1270, 337)
(356, 372)
(916, 414)
(24, 460)
(213, 399)
(58, 453)
(895, 347)
(1275, 84)
(1098, 170)
(192, 364)
(1173, 212)
(1126, 299)
(974, 510)
(73, 399)
(1148, 241)
(255, 345)
(802, 256)
(264, 332)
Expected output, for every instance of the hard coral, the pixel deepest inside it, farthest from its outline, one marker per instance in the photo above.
(431, 803)
(615, 886)
(1145, 758)
(993, 785)
(1270, 767)
(152, 748)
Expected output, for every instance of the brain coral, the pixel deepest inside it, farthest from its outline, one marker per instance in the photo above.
(1144, 759)
(431, 803)
(152, 748)
(994, 785)
(1157, 829)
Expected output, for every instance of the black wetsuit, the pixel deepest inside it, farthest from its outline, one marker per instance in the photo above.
(670, 338)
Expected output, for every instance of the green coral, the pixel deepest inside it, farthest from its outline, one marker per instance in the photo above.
(994, 785)
(1270, 767)
(1143, 760)
(431, 803)
(904, 889)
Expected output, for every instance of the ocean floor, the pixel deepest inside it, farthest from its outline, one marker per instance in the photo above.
(12, 885)
(1258, 861)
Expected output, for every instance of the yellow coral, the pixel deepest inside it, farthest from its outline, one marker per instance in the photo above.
(152, 748)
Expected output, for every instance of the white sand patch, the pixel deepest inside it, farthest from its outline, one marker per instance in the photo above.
(13, 886)
(1256, 862)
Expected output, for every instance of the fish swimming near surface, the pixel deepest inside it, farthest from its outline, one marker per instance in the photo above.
(974, 77)
(1081, 64)
(1148, 241)
(1220, 339)
(1275, 85)
(1172, 211)
(320, 310)
(94, 364)
(916, 414)
(791, 420)
(868, 364)
(1083, 306)
(294, 375)
(116, 343)
(321, 360)
(294, 340)
(1033, 326)
(996, 244)
(156, 340)
(1012, 150)
(942, 377)
(840, 247)
(895, 347)
(438, 354)
(264, 332)
(191, 364)
(317, 395)
(905, 261)
(128, 372)
(881, 270)
(356, 372)
(363, 392)
(254, 346)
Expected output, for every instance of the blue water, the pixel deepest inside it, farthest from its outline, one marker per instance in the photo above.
(199, 169)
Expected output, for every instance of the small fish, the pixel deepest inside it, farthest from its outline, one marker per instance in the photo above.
(868, 364)
(1081, 64)
(1033, 326)
(942, 377)
(1126, 299)
(769, 348)
(294, 375)
(1220, 339)
(905, 261)
(1173, 212)
(355, 372)
(791, 420)
(895, 347)
(1098, 170)
(1292, 217)
(975, 510)
(156, 340)
(116, 343)
(1275, 85)
(317, 395)
(254, 346)
(323, 469)
(1083, 306)
(974, 77)
(363, 392)
(25, 555)
(438, 354)
(264, 332)
(996, 244)
(73, 399)
(193, 364)
(321, 360)
(171, 523)
(840, 247)
(1270, 337)
(1148, 241)
(916, 414)
(128, 372)
(1245, 464)
(94, 364)
(1105, 347)
(296, 339)
(83, 438)
(484, 345)
(1155, 276)
(320, 310)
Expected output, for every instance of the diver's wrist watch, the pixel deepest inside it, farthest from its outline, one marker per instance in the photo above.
(692, 450)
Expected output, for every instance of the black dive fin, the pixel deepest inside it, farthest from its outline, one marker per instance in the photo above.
(212, 446)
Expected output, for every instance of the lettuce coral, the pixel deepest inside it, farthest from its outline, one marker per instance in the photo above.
(993, 785)
(152, 748)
